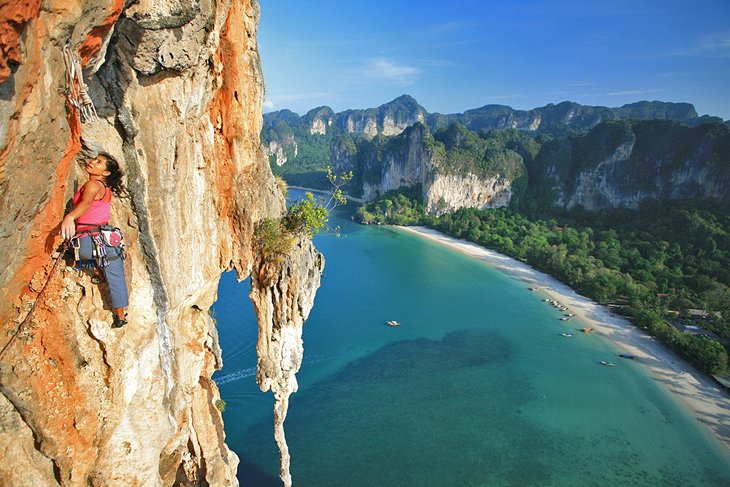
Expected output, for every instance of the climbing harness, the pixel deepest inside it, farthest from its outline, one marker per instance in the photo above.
(102, 236)
(76, 91)
(40, 295)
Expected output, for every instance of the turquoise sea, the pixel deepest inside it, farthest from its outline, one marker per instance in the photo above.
(477, 387)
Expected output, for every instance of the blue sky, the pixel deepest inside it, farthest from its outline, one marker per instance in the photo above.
(461, 54)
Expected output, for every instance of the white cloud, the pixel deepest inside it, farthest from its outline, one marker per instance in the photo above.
(716, 45)
(269, 106)
(385, 70)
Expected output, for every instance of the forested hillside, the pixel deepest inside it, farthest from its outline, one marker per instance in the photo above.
(564, 155)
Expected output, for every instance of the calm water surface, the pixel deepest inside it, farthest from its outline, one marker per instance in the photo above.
(477, 387)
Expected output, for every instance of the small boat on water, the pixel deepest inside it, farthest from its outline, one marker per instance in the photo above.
(627, 355)
(569, 314)
(393, 323)
(564, 319)
(567, 334)
(609, 364)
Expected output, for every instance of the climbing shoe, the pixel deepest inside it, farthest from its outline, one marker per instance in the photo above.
(118, 322)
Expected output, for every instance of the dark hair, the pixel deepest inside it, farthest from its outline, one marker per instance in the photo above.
(114, 179)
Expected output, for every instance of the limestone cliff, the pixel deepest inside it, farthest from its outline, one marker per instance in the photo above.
(320, 125)
(622, 164)
(319, 120)
(416, 158)
(178, 89)
(278, 136)
(404, 162)
(618, 164)
(390, 118)
(449, 192)
(277, 152)
(566, 117)
(374, 144)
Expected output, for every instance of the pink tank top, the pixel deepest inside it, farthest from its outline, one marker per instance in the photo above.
(97, 214)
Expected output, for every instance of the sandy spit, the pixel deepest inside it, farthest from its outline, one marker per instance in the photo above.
(694, 390)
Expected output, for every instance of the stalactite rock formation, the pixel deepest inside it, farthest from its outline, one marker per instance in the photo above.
(283, 295)
(178, 89)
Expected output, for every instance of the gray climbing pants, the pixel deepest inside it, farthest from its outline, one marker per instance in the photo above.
(113, 272)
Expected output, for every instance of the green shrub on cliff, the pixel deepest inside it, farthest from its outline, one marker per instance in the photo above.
(485, 155)
(276, 237)
(273, 239)
(306, 217)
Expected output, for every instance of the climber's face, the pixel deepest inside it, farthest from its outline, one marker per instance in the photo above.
(97, 167)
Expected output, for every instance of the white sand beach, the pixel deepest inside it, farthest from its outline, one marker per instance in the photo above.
(705, 399)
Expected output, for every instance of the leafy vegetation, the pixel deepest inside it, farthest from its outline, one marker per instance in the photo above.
(651, 264)
(308, 168)
(485, 154)
(566, 118)
(273, 239)
(554, 144)
(306, 217)
(402, 207)
(657, 149)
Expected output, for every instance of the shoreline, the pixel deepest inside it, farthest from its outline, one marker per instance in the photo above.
(705, 400)
(314, 190)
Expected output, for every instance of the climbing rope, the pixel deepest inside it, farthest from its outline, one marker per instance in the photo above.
(78, 96)
(35, 303)
(76, 91)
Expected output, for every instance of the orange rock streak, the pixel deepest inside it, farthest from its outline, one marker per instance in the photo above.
(94, 40)
(48, 357)
(14, 14)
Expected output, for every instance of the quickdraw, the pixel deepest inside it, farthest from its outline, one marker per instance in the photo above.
(99, 251)
(76, 90)
(101, 237)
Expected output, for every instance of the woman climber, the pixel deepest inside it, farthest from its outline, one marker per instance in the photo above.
(92, 203)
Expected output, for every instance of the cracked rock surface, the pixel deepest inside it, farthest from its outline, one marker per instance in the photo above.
(178, 89)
